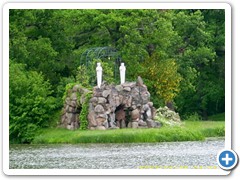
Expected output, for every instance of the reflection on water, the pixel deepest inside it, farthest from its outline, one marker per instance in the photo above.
(111, 156)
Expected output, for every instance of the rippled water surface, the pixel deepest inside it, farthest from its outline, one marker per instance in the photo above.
(110, 156)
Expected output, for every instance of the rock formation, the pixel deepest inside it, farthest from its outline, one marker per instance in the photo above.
(121, 106)
(111, 106)
(72, 107)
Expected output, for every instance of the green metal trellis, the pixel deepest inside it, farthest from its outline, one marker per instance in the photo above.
(103, 53)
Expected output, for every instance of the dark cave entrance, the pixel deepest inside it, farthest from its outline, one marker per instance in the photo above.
(122, 116)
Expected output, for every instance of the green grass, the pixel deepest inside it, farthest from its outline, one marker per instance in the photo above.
(207, 128)
(189, 131)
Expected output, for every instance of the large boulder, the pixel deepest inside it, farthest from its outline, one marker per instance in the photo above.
(135, 114)
(119, 88)
(151, 123)
(91, 119)
(142, 123)
(134, 125)
(101, 100)
(100, 121)
(100, 128)
(99, 109)
(106, 93)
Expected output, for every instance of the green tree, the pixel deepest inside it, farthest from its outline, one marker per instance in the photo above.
(199, 62)
(51, 42)
(30, 104)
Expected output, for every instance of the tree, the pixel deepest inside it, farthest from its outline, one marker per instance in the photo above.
(30, 103)
(199, 62)
(162, 79)
(39, 40)
(52, 41)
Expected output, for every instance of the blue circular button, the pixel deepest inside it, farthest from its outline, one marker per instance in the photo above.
(227, 159)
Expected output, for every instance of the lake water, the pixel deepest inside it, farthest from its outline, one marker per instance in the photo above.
(111, 156)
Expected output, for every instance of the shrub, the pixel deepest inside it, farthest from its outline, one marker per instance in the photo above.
(167, 117)
(31, 104)
(61, 88)
(194, 117)
(83, 76)
(86, 75)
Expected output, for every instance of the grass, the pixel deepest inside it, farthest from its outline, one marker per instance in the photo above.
(189, 131)
(207, 128)
(214, 127)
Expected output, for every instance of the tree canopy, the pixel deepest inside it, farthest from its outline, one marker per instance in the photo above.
(178, 53)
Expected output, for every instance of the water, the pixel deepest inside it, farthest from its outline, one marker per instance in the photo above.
(111, 156)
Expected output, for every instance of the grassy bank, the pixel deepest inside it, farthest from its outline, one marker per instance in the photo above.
(207, 128)
(189, 131)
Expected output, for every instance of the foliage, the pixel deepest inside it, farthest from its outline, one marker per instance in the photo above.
(207, 128)
(39, 39)
(61, 89)
(166, 122)
(216, 132)
(190, 131)
(87, 76)
(108, 69)
(217, 117)
(50, 136)
(179, 53)
(201, 60)
(162, 78)
(84, 106)
(68, 88)
(193, 117)
(55, 119)
(84, 112)
(30, 103)
(167, 117)
(83, 76)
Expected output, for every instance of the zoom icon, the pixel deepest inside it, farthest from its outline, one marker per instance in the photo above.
(227, 159)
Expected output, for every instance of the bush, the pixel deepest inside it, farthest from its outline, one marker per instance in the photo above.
(31, 103)
(194, 117)
(87, 77)
(167, 117)
(61, 89)
(83, 76)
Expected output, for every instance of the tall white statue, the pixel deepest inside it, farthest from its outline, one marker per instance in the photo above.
(122, 69)
(99, 74)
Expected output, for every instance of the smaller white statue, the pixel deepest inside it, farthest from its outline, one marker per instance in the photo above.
(99, 74)
(122, 69)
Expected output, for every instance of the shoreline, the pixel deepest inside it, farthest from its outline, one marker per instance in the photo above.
(204, 140)
(189, 131)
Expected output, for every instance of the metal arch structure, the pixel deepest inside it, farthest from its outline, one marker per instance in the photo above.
(103, 53)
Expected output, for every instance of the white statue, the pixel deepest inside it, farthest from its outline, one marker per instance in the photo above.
(122, 69)
(99, 74)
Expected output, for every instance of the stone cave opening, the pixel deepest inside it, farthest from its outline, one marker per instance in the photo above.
(122, 116)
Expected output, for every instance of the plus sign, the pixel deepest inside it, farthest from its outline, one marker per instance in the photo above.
(227, 159)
